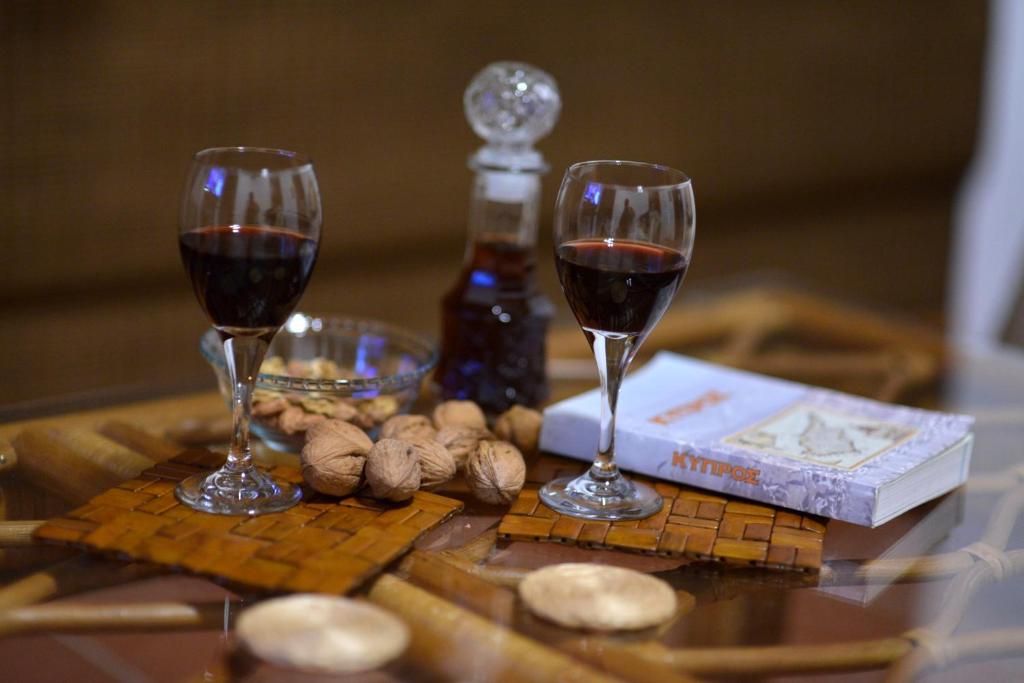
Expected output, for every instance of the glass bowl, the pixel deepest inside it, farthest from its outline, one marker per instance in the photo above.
(320, 367)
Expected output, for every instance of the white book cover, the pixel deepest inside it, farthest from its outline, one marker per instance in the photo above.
(771, 440)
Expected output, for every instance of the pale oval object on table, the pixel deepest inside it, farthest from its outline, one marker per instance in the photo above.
(322, 633)
(598, 597)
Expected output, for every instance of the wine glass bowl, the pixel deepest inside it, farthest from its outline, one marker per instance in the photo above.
(249, 234)
(623, 238)
(331, 364)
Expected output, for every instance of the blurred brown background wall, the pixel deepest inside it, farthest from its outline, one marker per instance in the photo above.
(824, 139)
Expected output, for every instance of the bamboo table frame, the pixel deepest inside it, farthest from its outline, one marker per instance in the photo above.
(460, 602)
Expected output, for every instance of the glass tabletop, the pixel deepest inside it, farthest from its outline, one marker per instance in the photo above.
(935, 593)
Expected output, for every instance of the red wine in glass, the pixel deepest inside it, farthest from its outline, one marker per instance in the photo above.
(623, 238)
(248, 236)
(247, 277)
(619, 286)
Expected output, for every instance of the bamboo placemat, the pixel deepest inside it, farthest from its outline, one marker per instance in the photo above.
(692, 523)
(322, 544)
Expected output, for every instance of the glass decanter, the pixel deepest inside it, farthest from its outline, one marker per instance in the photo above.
(495, 319)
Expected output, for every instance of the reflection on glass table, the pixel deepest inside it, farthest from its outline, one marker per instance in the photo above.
(934, 592)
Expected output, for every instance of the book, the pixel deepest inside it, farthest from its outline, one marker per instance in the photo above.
(779, 442)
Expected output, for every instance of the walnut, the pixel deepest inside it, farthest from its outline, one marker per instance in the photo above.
(323, 368)
(362, 420)
(269, 407)
(496, 472)
(408, 427)
(319, 406)
(521, 426)
(274, 366)
(344, 411)
(334, 456)
(296, 368)
(294, 419)
(437, 466)
(393, 470)
(341, 431)
(459, 413)
(460, 441)
(380, 408)
(259, 395)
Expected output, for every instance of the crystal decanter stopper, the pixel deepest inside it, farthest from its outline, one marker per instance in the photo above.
(511, 105)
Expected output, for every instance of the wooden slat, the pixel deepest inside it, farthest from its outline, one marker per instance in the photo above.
(139, 440)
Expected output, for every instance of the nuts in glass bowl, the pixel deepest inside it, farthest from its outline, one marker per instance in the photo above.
(321, 368)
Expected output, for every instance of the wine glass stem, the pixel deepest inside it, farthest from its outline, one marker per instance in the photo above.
(613, 352)
(244, 355)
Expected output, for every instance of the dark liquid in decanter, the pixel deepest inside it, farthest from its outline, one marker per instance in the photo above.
(495, 322)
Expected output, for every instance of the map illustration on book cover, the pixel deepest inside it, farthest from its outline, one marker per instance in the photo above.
(823, 437)
(771, 440)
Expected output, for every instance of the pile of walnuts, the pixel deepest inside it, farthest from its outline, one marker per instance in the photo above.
(415, 452)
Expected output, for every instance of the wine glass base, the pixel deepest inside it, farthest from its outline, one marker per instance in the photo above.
(237, 492)
(607, 501)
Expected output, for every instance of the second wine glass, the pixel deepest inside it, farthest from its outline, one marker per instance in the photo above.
(623, 237)
(249, 236)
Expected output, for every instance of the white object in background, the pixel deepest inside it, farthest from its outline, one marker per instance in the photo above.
(988, 247)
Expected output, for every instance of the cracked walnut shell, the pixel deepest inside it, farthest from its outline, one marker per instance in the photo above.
(294, 420)
(393, 470)
(496, 472)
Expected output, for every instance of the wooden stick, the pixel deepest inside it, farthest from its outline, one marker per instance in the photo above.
(770, 660)
(828, 321)
(509, 577)
(75, 465)
(478, 549)
(984, 645)
(160, 616)
(460, 587)
(18, 534)
(451, 642)
(195, 431)
(140, 441)
(1004, 517)
(74, 575)
(906, 569)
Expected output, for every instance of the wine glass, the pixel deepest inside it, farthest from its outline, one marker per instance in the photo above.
(249, 236)
(623, 235)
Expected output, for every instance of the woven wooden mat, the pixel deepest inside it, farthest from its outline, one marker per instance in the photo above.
(692, 523)
(322, 544)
